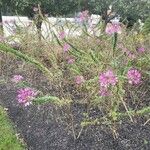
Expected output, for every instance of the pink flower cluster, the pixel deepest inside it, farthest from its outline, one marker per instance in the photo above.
(79, 79)
(141, 49)
(62, 35)
(134, 76)
(26, 95)
(66, 47)
(83, 17)
(130, 54)
(112, 28)
(70, 60)
(107, 79)
(17, 78)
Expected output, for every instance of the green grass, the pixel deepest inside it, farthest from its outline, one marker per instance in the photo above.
(8, 139)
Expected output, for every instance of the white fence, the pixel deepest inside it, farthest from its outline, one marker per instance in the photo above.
(52, 24)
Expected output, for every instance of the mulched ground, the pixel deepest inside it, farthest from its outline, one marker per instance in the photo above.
(41, 131)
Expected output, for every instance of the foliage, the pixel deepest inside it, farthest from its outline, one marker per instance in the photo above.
(55, 8)
(146, 28)
(129, 11)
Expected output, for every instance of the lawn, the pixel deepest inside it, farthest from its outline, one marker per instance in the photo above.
(8, 138)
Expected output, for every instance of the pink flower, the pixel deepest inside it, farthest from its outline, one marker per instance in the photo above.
(17, 78)
(66, 47)
(71, 60)
(79, 79)
(108, 78)
(112, 28)
(141, 49)
(83, 17)
(134, 76)
(62, 35)
(131, 55)
(26, 95)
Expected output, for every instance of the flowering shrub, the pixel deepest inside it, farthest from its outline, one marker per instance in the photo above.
(100, 69)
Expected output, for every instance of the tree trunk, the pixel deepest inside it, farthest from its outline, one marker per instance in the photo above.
(104, 18)
(39, 29)
(85, 4)
(38, 23)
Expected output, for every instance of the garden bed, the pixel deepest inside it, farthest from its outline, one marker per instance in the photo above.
(40, 130)
(83, 93)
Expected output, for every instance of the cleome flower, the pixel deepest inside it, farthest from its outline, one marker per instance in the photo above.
(134, 76)
(112, 28)
(70, 60)
(108, 78)
(62, 35)
(26, 95)
(83, 17)
(141, 49)
(66, 47)
(79, 79)
(17, 78)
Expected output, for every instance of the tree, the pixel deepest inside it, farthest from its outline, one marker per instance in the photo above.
(128, 10)
(131, 11)
(3, 7)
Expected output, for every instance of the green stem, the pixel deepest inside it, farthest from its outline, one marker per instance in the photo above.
(115, 38)
(140, 112)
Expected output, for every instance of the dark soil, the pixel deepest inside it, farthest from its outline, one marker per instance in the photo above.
(41, 131)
